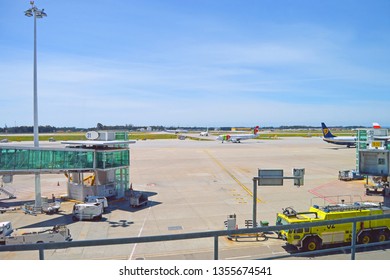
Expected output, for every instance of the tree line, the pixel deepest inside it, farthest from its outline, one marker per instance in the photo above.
(130, 127)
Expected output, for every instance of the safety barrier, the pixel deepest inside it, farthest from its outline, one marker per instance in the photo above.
(41, 247)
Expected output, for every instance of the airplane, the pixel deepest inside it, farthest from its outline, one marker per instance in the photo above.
(377, 137)
(236, 138)
(349, 141)
(176, 131)
(204, 133)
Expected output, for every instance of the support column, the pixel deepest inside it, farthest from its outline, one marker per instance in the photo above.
(38, 193)
(254, 218)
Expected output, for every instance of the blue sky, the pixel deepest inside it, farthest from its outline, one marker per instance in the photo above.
(197, 62)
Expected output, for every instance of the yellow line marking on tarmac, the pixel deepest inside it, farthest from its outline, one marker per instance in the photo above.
(231, 175)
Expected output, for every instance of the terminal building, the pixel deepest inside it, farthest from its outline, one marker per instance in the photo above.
(97, 166)
(373, 150)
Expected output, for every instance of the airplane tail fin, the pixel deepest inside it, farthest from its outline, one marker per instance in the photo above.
(376, 125)
(326, 131)
(256, 130)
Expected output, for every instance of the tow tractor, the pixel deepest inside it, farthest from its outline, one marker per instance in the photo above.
(7, 209)
(10, 236)
(349, 175)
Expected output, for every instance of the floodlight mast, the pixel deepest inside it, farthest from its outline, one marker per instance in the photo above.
(37, 13)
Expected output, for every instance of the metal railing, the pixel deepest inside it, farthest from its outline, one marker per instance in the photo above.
(41, 247)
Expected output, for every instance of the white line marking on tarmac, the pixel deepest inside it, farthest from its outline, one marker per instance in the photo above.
(139, 234)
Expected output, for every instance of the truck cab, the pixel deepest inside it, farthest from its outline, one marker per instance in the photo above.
(97, 198)
(310, 238)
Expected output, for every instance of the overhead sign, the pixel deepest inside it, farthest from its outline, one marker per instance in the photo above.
(298, 173)
(270, 177)
(92, 135)
(362, 135)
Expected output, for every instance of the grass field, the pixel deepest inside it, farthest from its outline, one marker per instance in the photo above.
(153, 136)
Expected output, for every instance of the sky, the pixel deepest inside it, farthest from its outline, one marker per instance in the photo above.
(197, 63)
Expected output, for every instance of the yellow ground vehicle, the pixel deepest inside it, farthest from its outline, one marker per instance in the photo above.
(312, 238)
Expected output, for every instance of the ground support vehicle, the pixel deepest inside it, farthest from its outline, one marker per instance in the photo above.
(376, 186)
(231, 224)
(6, 192)
(10, 236)
(138, 198)
(51, 207)
(313, 238)
(87, 211)
(99, 199)
(349, 175)
(7, 209)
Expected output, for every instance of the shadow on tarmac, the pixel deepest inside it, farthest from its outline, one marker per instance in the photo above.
(11, 202)
(64, 217)
(293, 250)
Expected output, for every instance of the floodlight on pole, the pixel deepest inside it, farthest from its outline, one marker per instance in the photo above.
(37, 13)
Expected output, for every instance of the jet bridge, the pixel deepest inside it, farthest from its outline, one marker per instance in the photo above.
(108, 160)
(373, 158)
(372, 152)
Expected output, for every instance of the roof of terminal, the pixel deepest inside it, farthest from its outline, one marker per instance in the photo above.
(98, 142)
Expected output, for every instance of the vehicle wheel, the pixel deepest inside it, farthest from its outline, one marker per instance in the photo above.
(311, 244)
(365, 238)
(382, 235)
(97, 218)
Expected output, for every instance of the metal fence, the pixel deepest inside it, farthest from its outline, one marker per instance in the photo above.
(41, 247)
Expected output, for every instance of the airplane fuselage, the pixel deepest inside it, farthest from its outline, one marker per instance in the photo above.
(349, 141)
(235, 138)
(345, 141)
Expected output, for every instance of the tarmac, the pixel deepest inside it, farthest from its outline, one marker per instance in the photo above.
(193, 186)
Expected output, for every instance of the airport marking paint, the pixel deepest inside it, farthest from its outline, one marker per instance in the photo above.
(231, 175)
(315, 191)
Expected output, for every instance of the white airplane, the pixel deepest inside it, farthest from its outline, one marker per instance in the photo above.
(377, 137)
(176, 131)
(204, 133)
(236, 138)
(349, 141)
